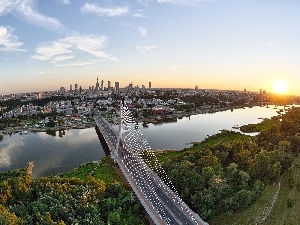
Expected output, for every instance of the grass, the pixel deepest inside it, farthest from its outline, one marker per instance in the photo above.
(266, 124)
(105, 170)
(285, 210)
(224, 137)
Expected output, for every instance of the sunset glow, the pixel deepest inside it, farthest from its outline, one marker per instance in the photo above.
(280, 87)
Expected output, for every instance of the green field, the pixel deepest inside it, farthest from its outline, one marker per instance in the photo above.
(105, 170)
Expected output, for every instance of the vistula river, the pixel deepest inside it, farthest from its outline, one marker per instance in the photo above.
(66, 151)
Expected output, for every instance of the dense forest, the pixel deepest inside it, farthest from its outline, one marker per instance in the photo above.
(65, 200)
(227, 172)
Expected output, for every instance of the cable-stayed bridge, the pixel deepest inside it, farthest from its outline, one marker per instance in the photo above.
(132, 153)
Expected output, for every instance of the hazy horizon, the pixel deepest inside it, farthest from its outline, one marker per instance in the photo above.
(212, 44)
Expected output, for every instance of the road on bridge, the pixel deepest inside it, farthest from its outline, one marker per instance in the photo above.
(162, 204)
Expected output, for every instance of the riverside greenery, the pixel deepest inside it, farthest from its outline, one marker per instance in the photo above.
(227, 172)
(67, 199)
(223, 175)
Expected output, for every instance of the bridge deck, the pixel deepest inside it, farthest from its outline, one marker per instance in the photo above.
(163, 205)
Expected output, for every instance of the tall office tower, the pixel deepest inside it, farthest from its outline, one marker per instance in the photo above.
(80, 89)
(76, 87)
(70, 87)
(130, 85)
(150, 85)
(102, 85)
(196, 88)
(93, 88)
(108, 85)
(97, 85)
(117, 86)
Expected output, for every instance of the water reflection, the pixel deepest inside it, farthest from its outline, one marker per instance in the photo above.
(61, 151)
(196, 127)
(52, 154)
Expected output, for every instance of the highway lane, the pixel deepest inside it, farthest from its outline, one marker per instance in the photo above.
(165, 202)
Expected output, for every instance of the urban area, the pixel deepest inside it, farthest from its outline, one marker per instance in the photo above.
(74, 108)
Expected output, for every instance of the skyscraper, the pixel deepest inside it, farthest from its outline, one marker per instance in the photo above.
(76, 87)
(70, 87)
(102, 85)
(117, 86)
(108, 85)
(150, 85)
(97, 85)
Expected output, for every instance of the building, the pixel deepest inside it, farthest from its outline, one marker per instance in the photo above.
(150, 85)
(70, 87)
(108, 85)
(196, 88)
(117, 86)
(62, 90)
(97, 85)
(102, 85)
(76, 87)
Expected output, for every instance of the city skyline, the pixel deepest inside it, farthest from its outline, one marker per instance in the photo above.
(212, 44)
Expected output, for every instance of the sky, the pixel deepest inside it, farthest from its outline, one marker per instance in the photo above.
(212, 44)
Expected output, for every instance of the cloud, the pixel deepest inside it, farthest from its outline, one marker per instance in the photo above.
(65, 2)
(64, 49)
(143, 31)
(138, 14)
(50, 51)
(111, 12)
(62, 58)
(184, 2)
(77, 63)
(25, 9)
(9, 42)
(145, 48)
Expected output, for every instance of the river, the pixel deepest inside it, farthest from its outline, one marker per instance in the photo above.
(66, 151)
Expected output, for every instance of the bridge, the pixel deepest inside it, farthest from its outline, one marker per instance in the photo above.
(130, 150)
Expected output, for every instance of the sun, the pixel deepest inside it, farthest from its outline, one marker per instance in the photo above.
(280, 87)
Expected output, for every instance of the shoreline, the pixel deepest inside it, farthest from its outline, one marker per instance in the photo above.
(23, 131)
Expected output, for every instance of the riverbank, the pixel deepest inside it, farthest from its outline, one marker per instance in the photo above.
(28, 129)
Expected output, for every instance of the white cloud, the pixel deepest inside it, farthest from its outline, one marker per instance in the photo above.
(145, 48)
(65, 2)
(26, 10)
(62, 58)
(77, 63)
(143, 31)
(50, 51)
(63, 49)
(9, 42)
(118, 11)
(138, 14)
(184, 2)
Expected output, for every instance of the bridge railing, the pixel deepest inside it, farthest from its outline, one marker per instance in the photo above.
(133, 142)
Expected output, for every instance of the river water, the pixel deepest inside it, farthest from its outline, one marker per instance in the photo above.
(66, 151)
